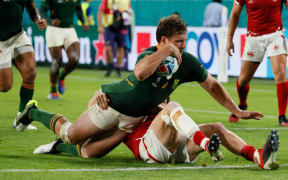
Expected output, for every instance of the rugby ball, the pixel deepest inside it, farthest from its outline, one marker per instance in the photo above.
(168, 67)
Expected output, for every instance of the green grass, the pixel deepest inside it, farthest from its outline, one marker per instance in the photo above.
(16, 148)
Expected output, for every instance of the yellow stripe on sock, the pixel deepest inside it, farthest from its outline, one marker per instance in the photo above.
(79, 149)
(28, 86)
(52, 121)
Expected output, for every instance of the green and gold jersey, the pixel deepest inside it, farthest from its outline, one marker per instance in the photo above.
(62, 9)
(137, 98)
(11, 14)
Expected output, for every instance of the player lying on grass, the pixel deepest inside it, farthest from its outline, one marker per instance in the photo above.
(157, 140)
(132, 99)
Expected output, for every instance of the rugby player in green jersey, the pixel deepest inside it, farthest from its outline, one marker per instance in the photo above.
(60, 33)
(15, 45)
(134, 98)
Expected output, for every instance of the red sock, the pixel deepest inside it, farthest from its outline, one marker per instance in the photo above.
(242, 93)
(247, 152)
(282, 89)
(198, 137)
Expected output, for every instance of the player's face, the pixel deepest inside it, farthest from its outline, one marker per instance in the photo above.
(179, 41)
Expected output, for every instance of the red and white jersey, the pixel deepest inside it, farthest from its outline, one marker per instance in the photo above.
(264, 16)
(134, 138)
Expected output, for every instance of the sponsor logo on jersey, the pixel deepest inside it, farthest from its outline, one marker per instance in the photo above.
(249, 53)
(175, 84)
(250, 1)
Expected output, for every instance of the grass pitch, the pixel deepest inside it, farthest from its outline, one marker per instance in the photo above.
(17, 160)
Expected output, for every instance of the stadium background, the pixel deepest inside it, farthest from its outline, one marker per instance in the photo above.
(202, 42)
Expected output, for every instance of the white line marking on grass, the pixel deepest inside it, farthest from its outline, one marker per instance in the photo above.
(133, 169)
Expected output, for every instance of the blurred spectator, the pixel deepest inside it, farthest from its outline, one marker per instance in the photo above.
(113, 17)
(215, 14)
(87, 13)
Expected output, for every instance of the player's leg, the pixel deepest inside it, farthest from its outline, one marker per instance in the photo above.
(171, 120)
(109, 37)
(278, 64)
(262, 157)
(121, 41)
(56, 54)
(6, 79)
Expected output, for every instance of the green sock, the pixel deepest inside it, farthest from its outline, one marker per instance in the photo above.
(26, 94)
(62, 75)
(53, 88)
(68, 148)
(47, 119)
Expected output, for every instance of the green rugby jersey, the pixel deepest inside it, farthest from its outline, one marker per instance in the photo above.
(61, 9)
(137, 98)
(11, 14)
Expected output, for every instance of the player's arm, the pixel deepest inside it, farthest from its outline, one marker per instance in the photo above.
(35, 16)
(149, 64)
(218, 92)
(232, 24)
(79, 14)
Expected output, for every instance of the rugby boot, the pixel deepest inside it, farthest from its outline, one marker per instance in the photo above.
(23, 120)
(214, 148)
(233, 118)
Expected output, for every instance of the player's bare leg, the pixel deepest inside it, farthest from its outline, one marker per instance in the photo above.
(73, 53)
(172, 120)
(120, 56)
(56, 54)
(246, 74)
(278, 64)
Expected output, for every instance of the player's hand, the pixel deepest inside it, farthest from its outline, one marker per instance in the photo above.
(175, 52)
(249, 115)
(85, 27)
(230, 46)
(56, 22)
(101, 99)
(41, 23)
(100, 29)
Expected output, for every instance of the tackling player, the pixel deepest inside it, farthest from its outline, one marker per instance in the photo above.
(60, 34)
(264, 33)
(15, 45)
(132, 99)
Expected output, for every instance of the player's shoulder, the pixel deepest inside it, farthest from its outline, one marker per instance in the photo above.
(186, 56)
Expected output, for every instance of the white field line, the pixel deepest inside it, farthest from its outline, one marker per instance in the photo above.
(133, 169)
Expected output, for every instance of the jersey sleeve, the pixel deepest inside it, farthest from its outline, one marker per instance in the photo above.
(193, 69)
(143, 54)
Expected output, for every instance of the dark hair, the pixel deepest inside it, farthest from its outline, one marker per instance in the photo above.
(170, 26)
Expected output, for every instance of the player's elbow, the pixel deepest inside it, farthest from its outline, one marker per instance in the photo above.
(139, 74)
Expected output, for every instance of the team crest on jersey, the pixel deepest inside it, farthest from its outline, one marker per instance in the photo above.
(175, 83)
(251, 1)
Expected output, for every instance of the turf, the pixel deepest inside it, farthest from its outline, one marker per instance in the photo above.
(16, 148)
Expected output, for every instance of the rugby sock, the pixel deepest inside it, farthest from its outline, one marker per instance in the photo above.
(49, 120)
(62, 75)
(201, 140)
(74, 150)
(248, 152)
(242, 93)
(282, 89)
(53, 87)
(26, 94)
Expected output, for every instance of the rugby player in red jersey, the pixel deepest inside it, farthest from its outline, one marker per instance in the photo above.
(264, 34)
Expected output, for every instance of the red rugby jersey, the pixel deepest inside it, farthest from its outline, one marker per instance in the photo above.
(264, 16)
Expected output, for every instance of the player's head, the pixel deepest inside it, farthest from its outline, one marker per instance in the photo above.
(172, 29)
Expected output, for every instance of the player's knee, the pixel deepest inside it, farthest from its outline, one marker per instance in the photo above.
(219, 128)
(5, 87)
(64, 134)
(29, 75)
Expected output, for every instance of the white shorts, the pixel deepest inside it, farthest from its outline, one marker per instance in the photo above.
(151, 150)
(255, 47)
(57, 36)
(106, 119)
(13, 47)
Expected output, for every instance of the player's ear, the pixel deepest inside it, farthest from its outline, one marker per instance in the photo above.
(163, 40)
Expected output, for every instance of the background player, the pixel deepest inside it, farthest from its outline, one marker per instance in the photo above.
(15, 45)
(61, 33)
(264, 34)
